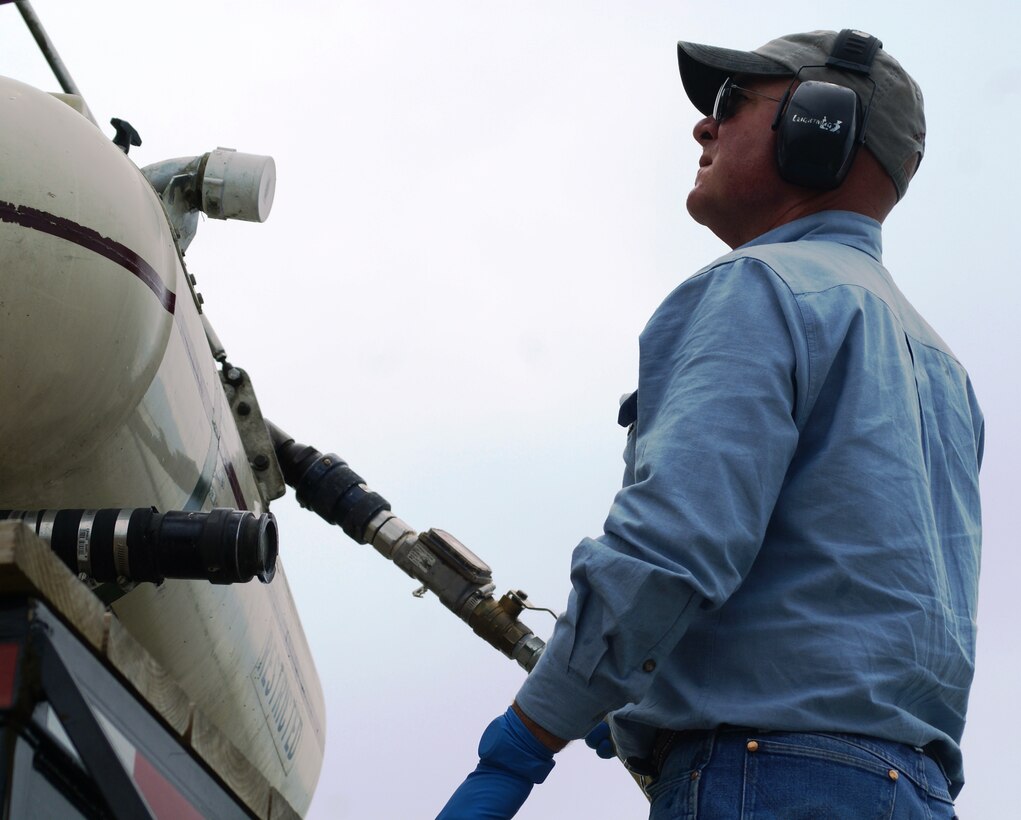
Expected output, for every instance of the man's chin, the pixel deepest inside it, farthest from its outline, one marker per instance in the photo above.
(697, 205)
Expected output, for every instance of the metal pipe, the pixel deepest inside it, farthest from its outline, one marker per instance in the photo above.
(49, 51)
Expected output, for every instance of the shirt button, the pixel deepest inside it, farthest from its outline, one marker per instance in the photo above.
(752, 746)
(649, 665)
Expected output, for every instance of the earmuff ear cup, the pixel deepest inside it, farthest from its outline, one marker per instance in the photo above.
(817, 133)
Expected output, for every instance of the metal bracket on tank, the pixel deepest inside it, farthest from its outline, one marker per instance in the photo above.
(252, 428)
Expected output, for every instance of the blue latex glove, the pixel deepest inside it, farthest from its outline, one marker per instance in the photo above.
(601, 740)
(511, 761)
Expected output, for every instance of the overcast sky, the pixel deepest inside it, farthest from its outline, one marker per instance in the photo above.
(478, 205)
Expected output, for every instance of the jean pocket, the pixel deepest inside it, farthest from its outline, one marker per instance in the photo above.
(815, 777)
(673, 793)
(672, 798)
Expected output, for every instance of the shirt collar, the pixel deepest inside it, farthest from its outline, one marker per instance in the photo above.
(846, 227)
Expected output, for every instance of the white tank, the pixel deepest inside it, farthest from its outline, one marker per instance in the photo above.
(111, 398)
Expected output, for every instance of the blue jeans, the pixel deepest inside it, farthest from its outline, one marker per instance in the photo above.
(748, 775)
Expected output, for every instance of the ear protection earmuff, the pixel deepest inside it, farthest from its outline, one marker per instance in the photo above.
(820, 125)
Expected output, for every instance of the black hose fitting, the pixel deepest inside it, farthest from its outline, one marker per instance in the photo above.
(327, 486)
(223, 546)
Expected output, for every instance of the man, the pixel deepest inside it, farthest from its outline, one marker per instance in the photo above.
(780, 614)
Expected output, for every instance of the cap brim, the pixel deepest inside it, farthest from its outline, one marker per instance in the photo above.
(704, 68)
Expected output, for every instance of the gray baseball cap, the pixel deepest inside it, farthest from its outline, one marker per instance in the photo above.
(896, 126)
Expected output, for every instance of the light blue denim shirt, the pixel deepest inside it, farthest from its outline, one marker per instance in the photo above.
(796, 543)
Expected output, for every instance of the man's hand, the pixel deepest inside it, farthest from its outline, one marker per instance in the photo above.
(601, 740)
(511, 761)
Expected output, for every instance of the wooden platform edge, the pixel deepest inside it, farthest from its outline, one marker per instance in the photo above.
(232, 766)
(29, 567)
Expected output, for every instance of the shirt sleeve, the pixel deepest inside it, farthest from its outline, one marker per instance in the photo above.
(705, 461)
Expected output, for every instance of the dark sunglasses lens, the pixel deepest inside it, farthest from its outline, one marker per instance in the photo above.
(722, 101)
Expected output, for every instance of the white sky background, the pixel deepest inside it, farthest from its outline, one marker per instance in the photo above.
(479, 204)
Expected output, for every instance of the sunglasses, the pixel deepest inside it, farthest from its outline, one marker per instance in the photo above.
(725, 101)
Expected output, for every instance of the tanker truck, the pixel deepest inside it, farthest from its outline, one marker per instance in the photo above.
(152, 661)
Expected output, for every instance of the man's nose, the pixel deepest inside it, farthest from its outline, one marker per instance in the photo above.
(705, 129)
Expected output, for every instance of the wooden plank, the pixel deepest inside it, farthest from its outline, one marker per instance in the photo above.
(230, 764)
(148, 678)
(28, 566)
(279, 808)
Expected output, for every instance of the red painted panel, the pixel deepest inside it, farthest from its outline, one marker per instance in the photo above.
(166, 802)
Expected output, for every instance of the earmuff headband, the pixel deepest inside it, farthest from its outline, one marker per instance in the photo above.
(854, 51)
